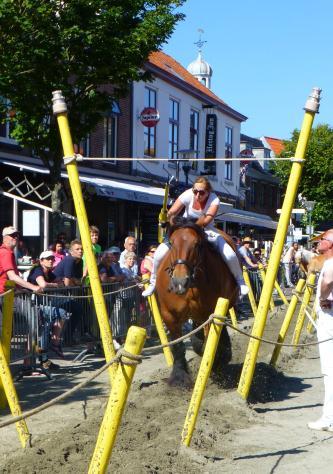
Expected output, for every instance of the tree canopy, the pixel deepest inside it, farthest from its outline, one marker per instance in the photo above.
(76, 46)
(317, 177)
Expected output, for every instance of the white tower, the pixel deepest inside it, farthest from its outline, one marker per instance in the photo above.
(200, 68)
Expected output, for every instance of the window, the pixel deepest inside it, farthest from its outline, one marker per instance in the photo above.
(228, 153)
(173, 128)
(253, 195)
(150, 132)
(110, 137)
(6, 126)
(194, 135)
(84, 147)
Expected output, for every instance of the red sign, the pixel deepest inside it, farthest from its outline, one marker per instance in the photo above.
(149, 117)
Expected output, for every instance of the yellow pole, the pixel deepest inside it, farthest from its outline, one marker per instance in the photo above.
(250, 294)
(6, 334)
(160, 329)
(233, 317)
(162, 217)
(309, 327)
(306, 300)
(60, 110)
(204, 372)
(281, 294)
(311, 107)
(263, 276)
(120, 388)
(287, 320)
(11, 395)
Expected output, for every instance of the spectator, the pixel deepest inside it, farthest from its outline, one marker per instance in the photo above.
(8, 268)
(288, 261)
(62, 237)
(21, 250)
(248, 259)
(97, 250)
(147, 263)
(128, 268)
(258, 256)
(70, 269)
(52, 316)
(109, 268)
(130, 246)
(324, 310)
(58, 252)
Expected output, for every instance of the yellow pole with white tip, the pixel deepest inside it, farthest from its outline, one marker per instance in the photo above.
(311, 108)
(60, 111)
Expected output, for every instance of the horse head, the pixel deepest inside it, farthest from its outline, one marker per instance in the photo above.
(186, 239)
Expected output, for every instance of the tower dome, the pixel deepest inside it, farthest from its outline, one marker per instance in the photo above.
(200, 68)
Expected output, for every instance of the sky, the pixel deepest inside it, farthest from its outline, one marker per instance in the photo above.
(266, 57)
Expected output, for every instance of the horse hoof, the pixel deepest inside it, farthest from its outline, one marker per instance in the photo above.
(180, 380)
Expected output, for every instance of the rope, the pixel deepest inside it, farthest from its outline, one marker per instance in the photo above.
(134, 360)
(55, 295)
(181, 160)
(6, 292)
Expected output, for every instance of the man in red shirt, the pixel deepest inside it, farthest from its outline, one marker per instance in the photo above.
(8, 268)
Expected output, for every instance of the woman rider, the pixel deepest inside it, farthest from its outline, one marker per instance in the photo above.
(202, 204)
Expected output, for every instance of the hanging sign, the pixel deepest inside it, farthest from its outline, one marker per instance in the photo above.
(149, 117)
(211, 129)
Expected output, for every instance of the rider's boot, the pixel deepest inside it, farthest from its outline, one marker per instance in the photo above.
(160, 252)
(231, 259)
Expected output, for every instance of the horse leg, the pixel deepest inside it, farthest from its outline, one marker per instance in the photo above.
(223, 353)
(179, 376)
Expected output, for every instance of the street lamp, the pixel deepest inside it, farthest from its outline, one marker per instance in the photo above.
(186, 157)
(309, 206)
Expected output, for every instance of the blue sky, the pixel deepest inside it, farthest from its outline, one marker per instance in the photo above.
(266, 57)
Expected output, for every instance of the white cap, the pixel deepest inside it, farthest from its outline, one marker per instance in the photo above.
(9, 231)
(46, 254)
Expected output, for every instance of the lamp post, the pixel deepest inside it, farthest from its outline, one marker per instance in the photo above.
(186, 157)
(309, 206)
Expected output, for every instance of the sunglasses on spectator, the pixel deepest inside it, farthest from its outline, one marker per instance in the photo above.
(201, 192)
(50, 258)
(15, 235)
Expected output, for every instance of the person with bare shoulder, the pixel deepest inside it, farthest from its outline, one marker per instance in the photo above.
(324, 309)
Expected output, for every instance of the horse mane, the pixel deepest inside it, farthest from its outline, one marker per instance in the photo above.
(180, 222)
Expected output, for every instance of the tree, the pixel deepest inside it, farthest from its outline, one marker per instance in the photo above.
(317, 176)
(76, 46)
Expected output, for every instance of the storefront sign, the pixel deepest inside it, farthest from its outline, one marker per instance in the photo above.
(31, 220)
(150, 117)
(210, 144)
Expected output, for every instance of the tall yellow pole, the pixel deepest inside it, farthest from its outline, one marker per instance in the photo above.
(160, 329)
(287, 320)
(263, 276)
(6, 333)
(250, 294)
(60, 110)
(163, 217)
(120, 388)
(204, 372)
(311, 108)
(306, 300)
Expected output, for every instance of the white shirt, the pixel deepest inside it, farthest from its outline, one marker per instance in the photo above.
(187, 198)
(289, 256)
(326, 265)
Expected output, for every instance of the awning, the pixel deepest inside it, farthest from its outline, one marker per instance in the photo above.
(125, 190)
(248, 218)
(111, 188)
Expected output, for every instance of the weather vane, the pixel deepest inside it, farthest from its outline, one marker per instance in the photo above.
(200, 42)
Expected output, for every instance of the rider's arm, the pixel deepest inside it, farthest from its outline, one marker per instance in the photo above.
(175, 209)
(209, 216)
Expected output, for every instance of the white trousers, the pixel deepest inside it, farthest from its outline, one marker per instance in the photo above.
(225, 250)
(325, 331)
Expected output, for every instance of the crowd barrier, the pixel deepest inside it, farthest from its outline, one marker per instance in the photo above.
(125, 307)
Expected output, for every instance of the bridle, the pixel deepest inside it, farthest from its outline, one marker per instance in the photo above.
(192, 268)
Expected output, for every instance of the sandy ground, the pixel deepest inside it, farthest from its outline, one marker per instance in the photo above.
(266, 435)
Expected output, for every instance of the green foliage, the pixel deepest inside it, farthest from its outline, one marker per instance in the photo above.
(76, 46)
(317, 176)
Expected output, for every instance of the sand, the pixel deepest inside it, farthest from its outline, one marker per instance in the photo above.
(266, 434)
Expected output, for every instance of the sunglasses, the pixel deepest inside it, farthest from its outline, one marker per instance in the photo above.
(14, 236)
(49, 258)
(201, 192)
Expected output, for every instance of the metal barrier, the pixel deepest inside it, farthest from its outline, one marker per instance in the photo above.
(33, 313)
(256, 283)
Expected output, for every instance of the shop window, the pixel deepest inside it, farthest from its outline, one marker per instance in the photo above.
(173, 128)
(228, 153)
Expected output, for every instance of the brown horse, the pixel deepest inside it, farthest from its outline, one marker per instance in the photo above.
(190, 279)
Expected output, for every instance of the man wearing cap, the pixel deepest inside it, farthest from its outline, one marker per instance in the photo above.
(8, 268)
(247, 258)
(52, 316)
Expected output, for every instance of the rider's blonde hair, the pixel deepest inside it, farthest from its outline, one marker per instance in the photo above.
(203, 180)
